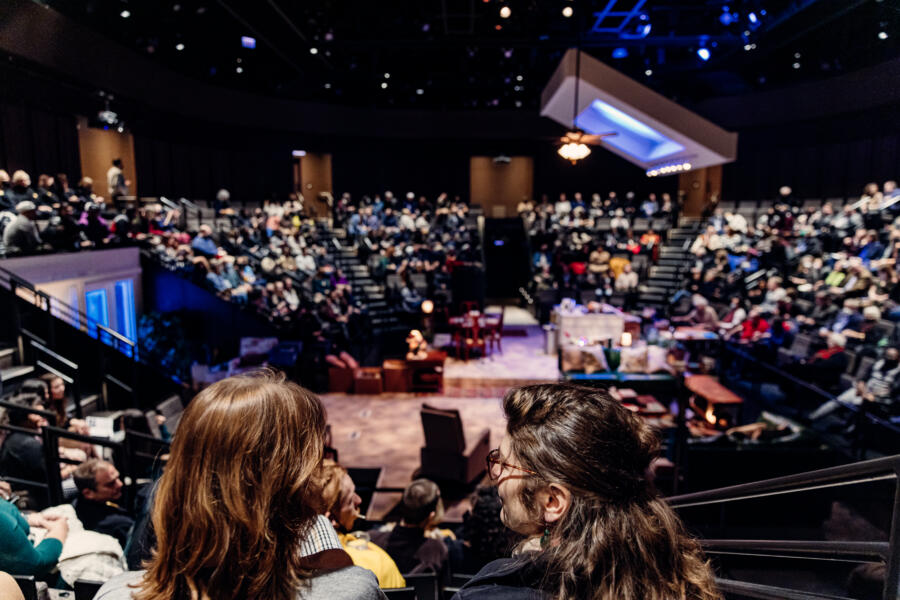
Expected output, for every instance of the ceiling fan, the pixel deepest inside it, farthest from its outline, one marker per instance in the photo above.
(575, 142)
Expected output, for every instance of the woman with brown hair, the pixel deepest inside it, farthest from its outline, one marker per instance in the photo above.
(573, 476)
(235, 511)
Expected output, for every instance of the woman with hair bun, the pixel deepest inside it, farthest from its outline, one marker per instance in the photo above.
(572, 474)
(235, 514)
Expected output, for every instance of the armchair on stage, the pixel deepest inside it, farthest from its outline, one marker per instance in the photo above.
(446, 455)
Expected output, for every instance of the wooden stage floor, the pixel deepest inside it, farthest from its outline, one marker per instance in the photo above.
(386, 431)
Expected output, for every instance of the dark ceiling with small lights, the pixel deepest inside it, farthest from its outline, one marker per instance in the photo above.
(464, 54)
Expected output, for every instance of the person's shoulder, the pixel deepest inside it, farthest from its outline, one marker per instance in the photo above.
(120, 587)
(350, 583)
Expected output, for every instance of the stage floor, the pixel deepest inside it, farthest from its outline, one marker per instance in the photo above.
(386, 431)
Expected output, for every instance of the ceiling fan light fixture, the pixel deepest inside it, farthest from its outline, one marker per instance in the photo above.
(574, 152)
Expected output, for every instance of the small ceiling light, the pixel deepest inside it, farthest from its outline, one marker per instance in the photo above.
(882, 35)
(313, 50)
(125, 14)
(176, 7)
(179, 46)
(387, 75)
(748, 47)
(518, 104)
(384, 85)
(620, 53)
(248, 42)
(519, 78)
(796, 65)
(518, 88)
(327, 86)
(703, 53)
(567, 11)
(796, 55)
(419, 92)
(239, 70)
(505, 11)
(648, 72)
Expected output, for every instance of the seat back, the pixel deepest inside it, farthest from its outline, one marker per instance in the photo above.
(443, 429)
(406, 593)
(28, 586)
(425, 584)
(86, 589)
(864, 363)
(171, 408)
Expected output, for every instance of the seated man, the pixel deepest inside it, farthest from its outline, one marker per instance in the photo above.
(410, 542)
(99, 487)
(22, 234)
(826, 366)
(881, 384)
(340, 503)
(22, 454)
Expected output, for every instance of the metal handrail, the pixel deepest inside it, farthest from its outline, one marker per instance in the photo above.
(49, 415)
(880, 469)
(745, 589)
(815, 549)
(859, 472)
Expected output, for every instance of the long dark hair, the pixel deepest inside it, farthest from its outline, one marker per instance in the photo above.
(618, 538)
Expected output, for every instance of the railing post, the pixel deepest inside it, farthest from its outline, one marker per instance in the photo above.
(892, 576)
(17, 319)
(51, 460)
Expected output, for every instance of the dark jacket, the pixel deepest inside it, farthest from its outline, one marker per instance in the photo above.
(505, 579)
(412, 551)
(22, 456)
(104, 517)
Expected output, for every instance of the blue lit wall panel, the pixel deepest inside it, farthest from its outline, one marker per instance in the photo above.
(125, 313)
(97, 310)
(634, 137)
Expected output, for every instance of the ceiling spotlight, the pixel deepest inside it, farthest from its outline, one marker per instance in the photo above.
(419, 92)
(384, 85)
(753, 18)
(518, 104)
(796, 55)
(567, 11)
(748, 47)
(239, 70)
(648, 72)
(882, 35)
(387, 75)
(313, 50)
(179, 46)
(505, 11)
(519, 78)
(703, 54)
(125, 14)
(327, 86)
(796, 65)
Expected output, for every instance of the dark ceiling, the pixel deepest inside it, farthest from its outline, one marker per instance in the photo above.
(456, 54)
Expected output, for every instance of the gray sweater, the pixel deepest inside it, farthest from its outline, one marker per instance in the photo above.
(349, 583)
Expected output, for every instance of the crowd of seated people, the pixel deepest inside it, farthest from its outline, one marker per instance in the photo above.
(811, 286)
(408, 237)
(589, 245)
(271, 259)
(245, 484)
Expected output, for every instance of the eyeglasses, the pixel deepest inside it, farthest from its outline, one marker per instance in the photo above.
(495, 465)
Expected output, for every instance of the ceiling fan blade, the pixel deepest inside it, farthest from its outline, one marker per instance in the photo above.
(596, 139)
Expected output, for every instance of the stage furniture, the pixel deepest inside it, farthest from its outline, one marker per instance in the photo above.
(446, 455)
(340, 380)
(423, 375)
(368, 380)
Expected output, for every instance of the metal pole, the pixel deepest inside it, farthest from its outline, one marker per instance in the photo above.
(51, 461)
(892, 576)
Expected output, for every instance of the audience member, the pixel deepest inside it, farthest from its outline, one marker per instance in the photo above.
(17, 554)
(594, 526)
(21, 235)
(99, 488)
(341, 503)
(238, 492)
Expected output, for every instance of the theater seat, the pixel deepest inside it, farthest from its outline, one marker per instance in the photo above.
(446, 455)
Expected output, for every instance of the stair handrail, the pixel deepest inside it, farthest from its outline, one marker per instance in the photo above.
(879, 469)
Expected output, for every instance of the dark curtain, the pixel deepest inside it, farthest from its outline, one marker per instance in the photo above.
(38, 141)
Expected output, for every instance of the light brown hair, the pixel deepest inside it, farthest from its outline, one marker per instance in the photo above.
(618, 538)
(238, 494)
